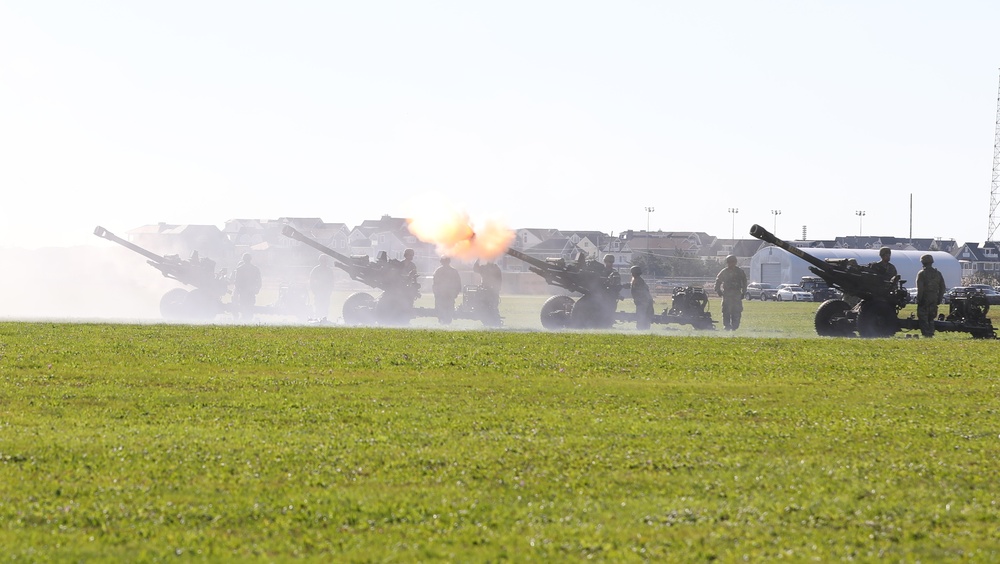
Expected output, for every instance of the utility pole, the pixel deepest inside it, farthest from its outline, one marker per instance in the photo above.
(734, 211)
(861, 220)
(995, 187)
(649, 210)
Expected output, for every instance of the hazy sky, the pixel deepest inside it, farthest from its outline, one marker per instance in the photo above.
(569, 114)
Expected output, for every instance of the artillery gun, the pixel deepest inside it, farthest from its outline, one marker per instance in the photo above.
(400, 290)
(203, 302)
(872, 302)
(594, 310)
(597, 307)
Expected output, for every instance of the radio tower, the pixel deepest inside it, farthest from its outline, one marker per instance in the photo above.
(995, 187)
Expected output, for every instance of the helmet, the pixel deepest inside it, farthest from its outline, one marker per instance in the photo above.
(408, 253)
(445, 260)
(926, 259)
(635, 270)
(609, 259)
(731, 259)
(247, 257)
(884, 251)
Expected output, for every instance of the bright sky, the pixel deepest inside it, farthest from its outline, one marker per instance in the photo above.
(568, 114)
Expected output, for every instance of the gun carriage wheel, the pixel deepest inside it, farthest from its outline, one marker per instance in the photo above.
(592, 311)
(556, 312)
(877, 318)
(359, 309)
(393, 308)
(832, 319)
(201, 305)
(172, 304)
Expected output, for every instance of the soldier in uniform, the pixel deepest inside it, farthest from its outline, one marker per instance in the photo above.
(246, 285)
(930, 292)
(613, 280)
(409, 268)
(731, 284)
(321, 285)
(883, 267)
(447, 285)
(492, 279)
(642, 298)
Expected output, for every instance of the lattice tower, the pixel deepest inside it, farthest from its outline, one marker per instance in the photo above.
(995, 187)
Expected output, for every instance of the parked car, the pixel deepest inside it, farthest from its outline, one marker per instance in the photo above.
(793, 293)
(820, 290)
(990, 293)
(913, 295)
(761, 291)
(992, 296)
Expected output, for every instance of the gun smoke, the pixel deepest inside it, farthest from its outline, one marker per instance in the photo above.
(450, 229)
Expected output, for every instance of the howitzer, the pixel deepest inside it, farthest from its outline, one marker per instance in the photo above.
(400, 289)
(203, 302)
(358, 267)
(594, 310)
(878, 300)
(597, 308)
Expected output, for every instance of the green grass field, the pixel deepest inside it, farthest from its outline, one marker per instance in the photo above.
(221, 442)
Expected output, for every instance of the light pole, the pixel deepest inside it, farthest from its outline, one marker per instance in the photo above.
(861, 220)
(774, 227)
(649, 210)
(734, 211)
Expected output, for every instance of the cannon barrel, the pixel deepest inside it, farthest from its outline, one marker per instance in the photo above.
(846, 275)
(105, 234)
(553, 274)
(575, 278)
(764, 235)
(289, 231)
(529, 259)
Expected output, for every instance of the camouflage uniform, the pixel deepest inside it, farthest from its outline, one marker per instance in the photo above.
(321, 281)
(883, 268)
(930, 292)
(246, 285)
(731, 284)
(492, 279)
(642, 298)
(447, 285)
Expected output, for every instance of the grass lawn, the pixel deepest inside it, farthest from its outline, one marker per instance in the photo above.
(147, 442)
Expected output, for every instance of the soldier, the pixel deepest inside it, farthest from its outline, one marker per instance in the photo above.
(642, 298)
(731, 284)
(321, 285)
(246, 284)
(492, 279)
(930, 292)
(612, 280)
(447, 285)
(409, 268)
(883, 267)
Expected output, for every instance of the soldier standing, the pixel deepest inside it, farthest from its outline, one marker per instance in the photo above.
(613, 280)
(447, 285)
(409, 268)
(642, 298)
(930, 292)
(492, 279)
(321, 285)
(883, 267)
(731, 284)
(246, 285)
